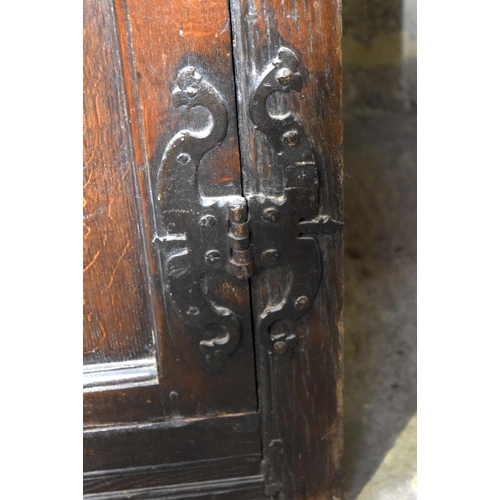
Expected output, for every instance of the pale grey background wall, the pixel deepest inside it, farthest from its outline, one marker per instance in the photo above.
(380, 102)
(379, 56)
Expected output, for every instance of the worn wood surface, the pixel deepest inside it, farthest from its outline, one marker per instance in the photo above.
(238, 466)
(132, 53)
(117, 311)
(163, 37)
(172, 453)
(145, 45)
(301, 398)
(244, 488)
(174, 441)
(134, 404)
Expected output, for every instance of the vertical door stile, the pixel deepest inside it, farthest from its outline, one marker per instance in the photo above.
(288, 62)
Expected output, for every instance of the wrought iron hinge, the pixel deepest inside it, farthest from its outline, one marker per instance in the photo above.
(241, 236)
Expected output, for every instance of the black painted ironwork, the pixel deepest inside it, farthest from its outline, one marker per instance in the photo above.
(283, 227)
(209, 235)
(197, 244)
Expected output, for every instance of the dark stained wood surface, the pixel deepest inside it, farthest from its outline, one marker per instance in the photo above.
(174, 441)
(149, 42)
(158, 39)
(117, 313)
(238, 466)
(133, 50)
(174, 453)
(300, 399)
(244, 488)
(133, 404)
(167, 36)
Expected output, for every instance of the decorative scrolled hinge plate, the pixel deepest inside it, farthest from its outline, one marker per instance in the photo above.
(197, 244)
(284, 228)
(208, 235)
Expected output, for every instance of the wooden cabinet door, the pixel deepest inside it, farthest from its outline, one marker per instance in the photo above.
(212, 250)
(151, 401)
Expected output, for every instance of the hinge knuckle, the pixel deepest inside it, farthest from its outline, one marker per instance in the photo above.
(239, 231)
(240, 259)
(238, 211)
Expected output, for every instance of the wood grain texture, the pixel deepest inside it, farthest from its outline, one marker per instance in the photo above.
(164, 423)
(134, 404)
(244, 488)
(134, 50)
(150, 43)
(158, 39)
(167, 36)
(301, 398)
(117, 313)
(173, 474)
(175, 441)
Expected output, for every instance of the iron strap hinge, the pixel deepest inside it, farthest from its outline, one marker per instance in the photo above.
(200, 237)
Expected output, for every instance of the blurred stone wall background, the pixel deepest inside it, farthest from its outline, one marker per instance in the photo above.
(380, 196)
(379, 56)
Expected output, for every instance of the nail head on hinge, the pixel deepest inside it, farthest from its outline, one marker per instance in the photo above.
(291, 138)
(271, 215)
(183, 158)
(270, 255)
(212, 256)
(193, 311)
(302, 302)
(207, 221)
(284, 76)
(280, 347)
